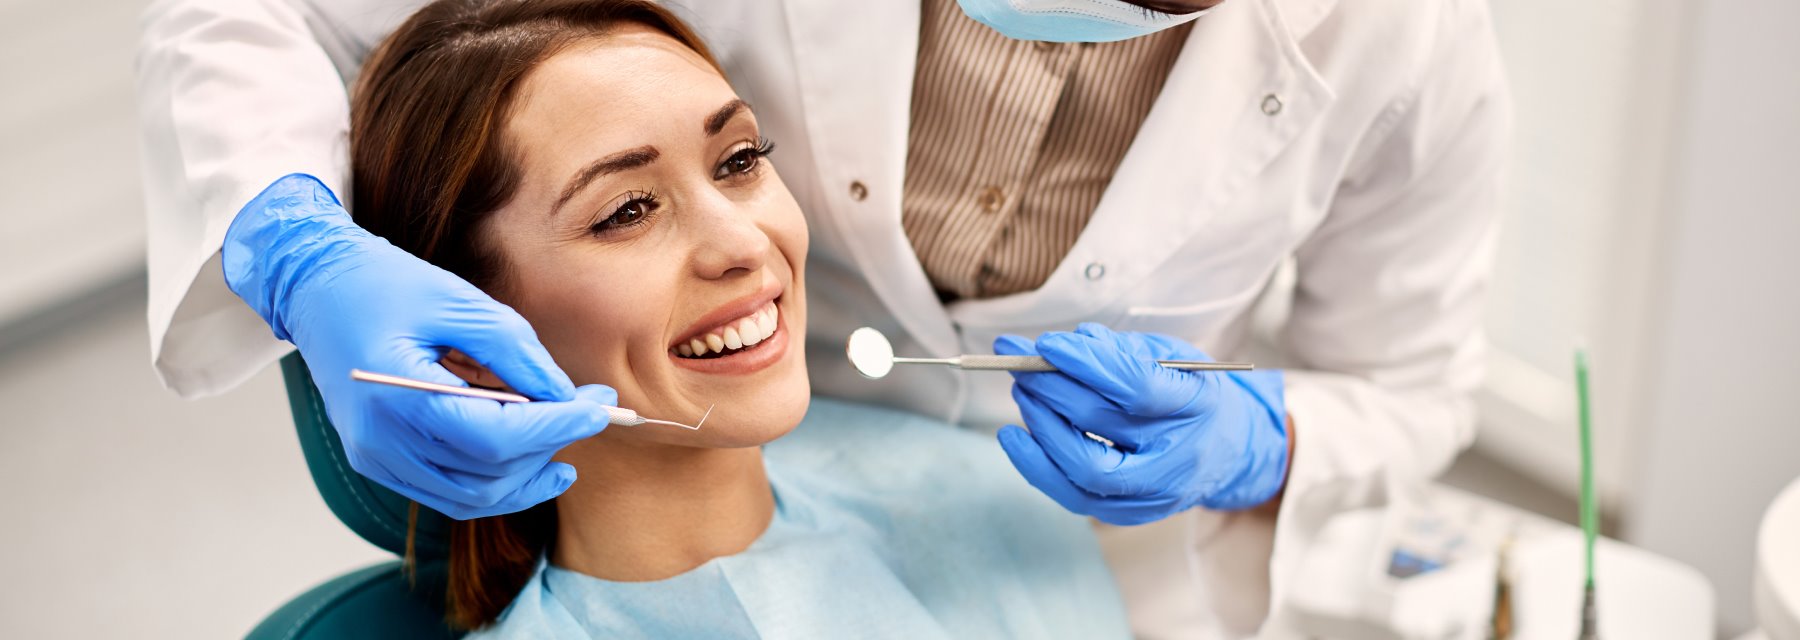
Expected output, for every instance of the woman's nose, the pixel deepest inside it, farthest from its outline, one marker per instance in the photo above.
(731, 241)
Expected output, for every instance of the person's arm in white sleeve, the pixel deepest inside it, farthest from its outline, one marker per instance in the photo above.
(247, 120)
(1386, 323)
(233, 94)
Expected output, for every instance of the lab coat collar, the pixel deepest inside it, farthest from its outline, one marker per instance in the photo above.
(1302, 16)
(855, 63)
(1240, 92)
(856, 70)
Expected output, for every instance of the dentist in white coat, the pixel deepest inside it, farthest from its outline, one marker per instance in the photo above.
(970, 171)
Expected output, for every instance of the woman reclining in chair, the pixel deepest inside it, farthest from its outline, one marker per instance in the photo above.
(586, 162)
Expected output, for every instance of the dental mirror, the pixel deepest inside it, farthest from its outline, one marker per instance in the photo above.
(870, 352)
(873, 356)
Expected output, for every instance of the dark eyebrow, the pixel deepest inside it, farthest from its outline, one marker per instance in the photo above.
(716, 122)
(623, 160)
(634, 158)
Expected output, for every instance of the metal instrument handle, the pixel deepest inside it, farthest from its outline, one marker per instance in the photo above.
(983, 362)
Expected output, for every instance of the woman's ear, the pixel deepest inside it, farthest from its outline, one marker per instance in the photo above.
(471, 371)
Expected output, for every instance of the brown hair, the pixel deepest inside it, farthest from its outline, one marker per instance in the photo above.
(429, 164)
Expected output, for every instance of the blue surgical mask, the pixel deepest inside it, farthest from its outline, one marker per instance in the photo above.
(1071, 20)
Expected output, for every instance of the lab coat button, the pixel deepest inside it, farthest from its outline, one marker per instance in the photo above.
(1094, 271)
(990, 199)
(1271, 104)
(858, 191)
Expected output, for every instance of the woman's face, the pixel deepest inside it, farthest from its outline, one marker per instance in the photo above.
(649, 233)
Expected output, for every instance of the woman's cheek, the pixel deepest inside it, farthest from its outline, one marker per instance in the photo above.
(577, 320)
(788, 230)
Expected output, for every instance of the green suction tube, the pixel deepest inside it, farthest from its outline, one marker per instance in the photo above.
(1590, 515)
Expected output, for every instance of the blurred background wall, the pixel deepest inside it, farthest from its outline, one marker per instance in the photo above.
(1652, 214)
(1651, 211)
(125, 512)
(74, 222)
(1722, 363)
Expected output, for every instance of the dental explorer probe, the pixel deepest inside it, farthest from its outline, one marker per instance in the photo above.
(614, 415)
(873, 356)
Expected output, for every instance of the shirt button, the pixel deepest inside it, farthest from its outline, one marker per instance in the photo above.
(1271, 104)
(1094, 271)
(858, 191)
(990, 199)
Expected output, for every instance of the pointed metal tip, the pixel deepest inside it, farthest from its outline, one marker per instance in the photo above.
(704, 417)
(677, 424)
(670, 423)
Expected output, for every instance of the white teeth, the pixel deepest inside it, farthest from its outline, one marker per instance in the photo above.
(748, 332)
(765, 322)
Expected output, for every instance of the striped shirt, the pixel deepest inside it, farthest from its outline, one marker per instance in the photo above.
(1012, 144)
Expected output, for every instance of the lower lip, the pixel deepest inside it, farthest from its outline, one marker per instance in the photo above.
(752, 360)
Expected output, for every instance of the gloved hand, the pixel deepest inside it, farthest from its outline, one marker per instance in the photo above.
(348, 299)
(1181, 438)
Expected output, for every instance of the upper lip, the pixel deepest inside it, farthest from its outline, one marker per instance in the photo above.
(728, 312)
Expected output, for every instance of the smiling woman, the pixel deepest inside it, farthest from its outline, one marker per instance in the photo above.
(586, 162)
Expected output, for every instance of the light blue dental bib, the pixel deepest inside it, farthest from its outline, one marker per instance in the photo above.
(886, 526)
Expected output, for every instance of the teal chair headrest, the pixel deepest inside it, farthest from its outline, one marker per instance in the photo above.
(371, 510)
(374, 603)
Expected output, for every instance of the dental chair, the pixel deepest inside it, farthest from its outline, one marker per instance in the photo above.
(379, 601)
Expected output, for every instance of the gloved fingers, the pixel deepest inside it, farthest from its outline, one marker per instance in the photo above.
(1011, 345)
(1088, 463)
(551, 482)
(1157, 346)
(495, 432)
(460, 495)
(419, 361)
(410, 492)
(416, 479)
(497, 496)
(1035, 465)
(1085, 407)
(554, 425)
(1163, 347)
(547, 483)
(1080, 406)
(1122, 368)
(1042, 473)
(1098, 359)
(453, 460)
(500, 339)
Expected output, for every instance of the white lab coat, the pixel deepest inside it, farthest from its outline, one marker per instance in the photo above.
(1357, 144)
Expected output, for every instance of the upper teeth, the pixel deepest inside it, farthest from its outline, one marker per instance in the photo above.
(737, 334)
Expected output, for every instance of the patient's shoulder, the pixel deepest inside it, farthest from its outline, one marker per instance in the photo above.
(883, 450)
(910, 477)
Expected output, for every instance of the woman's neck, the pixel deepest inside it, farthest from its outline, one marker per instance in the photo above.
(648, 512)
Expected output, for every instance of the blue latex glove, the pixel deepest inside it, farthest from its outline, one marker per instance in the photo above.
(1182, 438)
(348, 299)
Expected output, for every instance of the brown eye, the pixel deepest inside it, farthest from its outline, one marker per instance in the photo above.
(744, 161)
(740, 162)
(634, 211)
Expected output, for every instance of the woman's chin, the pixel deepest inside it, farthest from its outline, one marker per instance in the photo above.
(734, 422)
(747, 410)
(751, 425)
